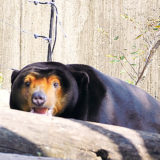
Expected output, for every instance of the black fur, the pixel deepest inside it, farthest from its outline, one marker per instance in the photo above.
(96, 97)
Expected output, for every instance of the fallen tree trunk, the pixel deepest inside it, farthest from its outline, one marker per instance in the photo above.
(33, 134)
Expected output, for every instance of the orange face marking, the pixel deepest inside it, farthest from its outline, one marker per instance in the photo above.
(50, 86)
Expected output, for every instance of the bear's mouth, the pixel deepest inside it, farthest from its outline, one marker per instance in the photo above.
(42, 110)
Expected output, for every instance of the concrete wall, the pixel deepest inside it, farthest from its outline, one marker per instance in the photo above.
(94, 29)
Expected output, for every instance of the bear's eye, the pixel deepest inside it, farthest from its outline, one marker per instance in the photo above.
(27, 84)
(55, 84)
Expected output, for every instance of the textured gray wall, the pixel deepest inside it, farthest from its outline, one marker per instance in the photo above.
(91, 27)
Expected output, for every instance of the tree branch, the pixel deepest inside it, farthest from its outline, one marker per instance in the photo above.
(151, 51)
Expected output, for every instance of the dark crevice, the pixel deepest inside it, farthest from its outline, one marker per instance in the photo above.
(103, 154)
(99, 153)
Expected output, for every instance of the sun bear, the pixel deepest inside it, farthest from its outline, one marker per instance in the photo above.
(82, 92)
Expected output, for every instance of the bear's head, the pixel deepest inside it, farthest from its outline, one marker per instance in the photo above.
(44, 87)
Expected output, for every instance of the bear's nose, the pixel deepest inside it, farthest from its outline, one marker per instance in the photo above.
(38, 98)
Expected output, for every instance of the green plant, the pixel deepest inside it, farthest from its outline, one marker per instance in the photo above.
(150, 35)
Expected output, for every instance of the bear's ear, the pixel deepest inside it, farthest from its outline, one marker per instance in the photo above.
(81, 77)
(14, 75)
(83, 82)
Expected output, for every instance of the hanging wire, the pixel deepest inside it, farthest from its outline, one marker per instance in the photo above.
(48, 39)
(25, 31)
(43, 37)
(55, 34)
(53, 9)
(16, 28)
(39, 2)
(50, 53)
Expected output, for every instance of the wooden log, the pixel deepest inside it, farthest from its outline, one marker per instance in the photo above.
(7, 156)
(33, 134)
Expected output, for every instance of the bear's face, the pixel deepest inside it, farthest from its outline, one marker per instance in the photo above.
(42, 94)
(45, 90)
